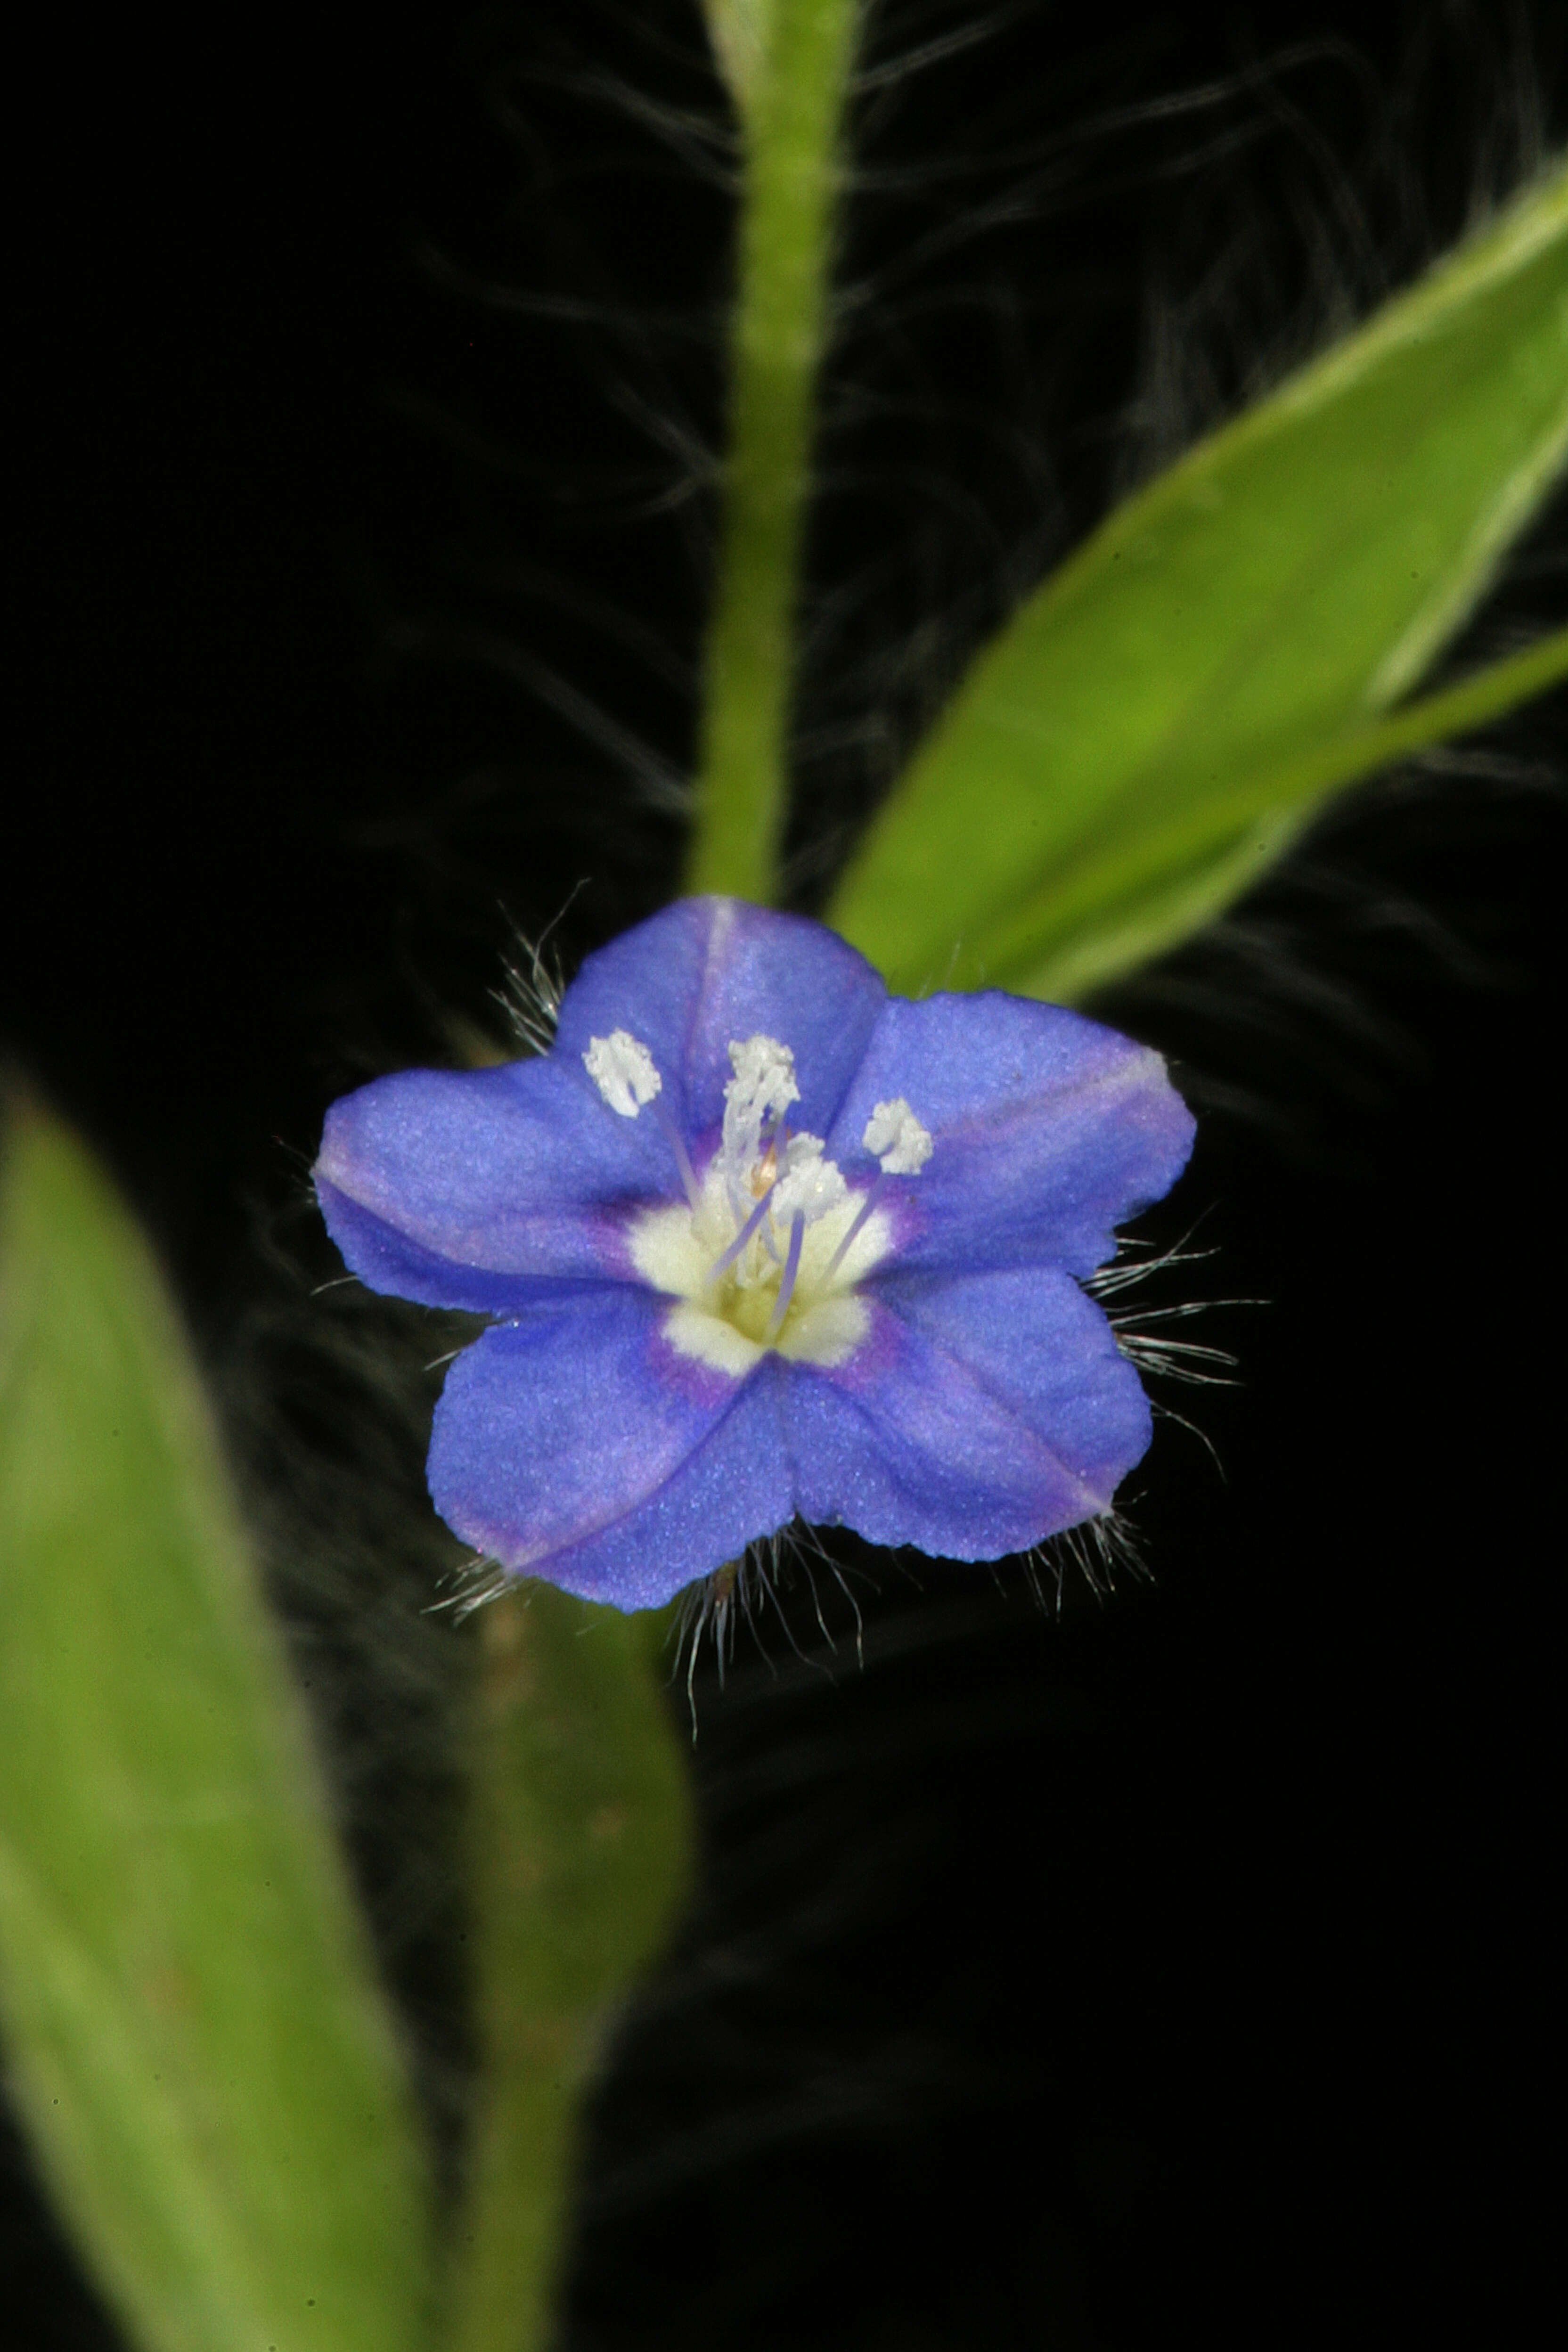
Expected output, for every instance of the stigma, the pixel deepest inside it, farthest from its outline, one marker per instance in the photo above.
(767, 1251)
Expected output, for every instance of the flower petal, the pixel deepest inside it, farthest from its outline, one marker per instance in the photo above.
(577, 1445)
(474, 1188)
(982, 1414)
(707, 970)
(1048, 1130)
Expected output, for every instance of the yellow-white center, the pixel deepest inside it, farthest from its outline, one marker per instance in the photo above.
(724, 1319)
(766, 1250)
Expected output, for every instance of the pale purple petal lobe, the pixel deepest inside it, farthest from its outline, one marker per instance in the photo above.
(576, 1445)
(986, 1413)
(1049, 1129)
(509, 1178)
(708, 971)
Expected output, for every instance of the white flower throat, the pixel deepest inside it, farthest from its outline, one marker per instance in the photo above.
(769, 1247)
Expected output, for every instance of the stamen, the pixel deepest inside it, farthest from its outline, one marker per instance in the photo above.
(628, 1076)
(866, 1205)
(676, 1142)
(763, 1173)
(722, 1265)
(758, 1096)
(623, 1071)
(809, 1183)
(895, 1137)
(787, 1280)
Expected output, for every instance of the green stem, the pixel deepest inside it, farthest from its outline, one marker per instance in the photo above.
(793, 116)
(504, 2246)
(579, 1850)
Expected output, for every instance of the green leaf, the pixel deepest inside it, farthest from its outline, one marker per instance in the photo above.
(195, 2036)
(1157, 722)
(581, 1842)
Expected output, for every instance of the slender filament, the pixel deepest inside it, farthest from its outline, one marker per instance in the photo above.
(786, 1279)
(682, 1157)
(866, 1205)
(723, 1263)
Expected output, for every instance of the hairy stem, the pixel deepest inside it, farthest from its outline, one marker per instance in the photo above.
(792, 120)
(579, 1843)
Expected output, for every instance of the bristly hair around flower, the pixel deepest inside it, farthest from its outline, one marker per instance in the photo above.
(761, 1243)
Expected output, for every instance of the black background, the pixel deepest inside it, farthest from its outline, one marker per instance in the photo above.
(1163, 1969)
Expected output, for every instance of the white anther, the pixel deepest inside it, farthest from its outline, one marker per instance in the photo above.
(761, 1091)
(895, 1137)
(623, 1070)
(809, 1185)
(761, 1061)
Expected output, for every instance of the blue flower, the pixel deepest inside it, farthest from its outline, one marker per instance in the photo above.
(761, 1240)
